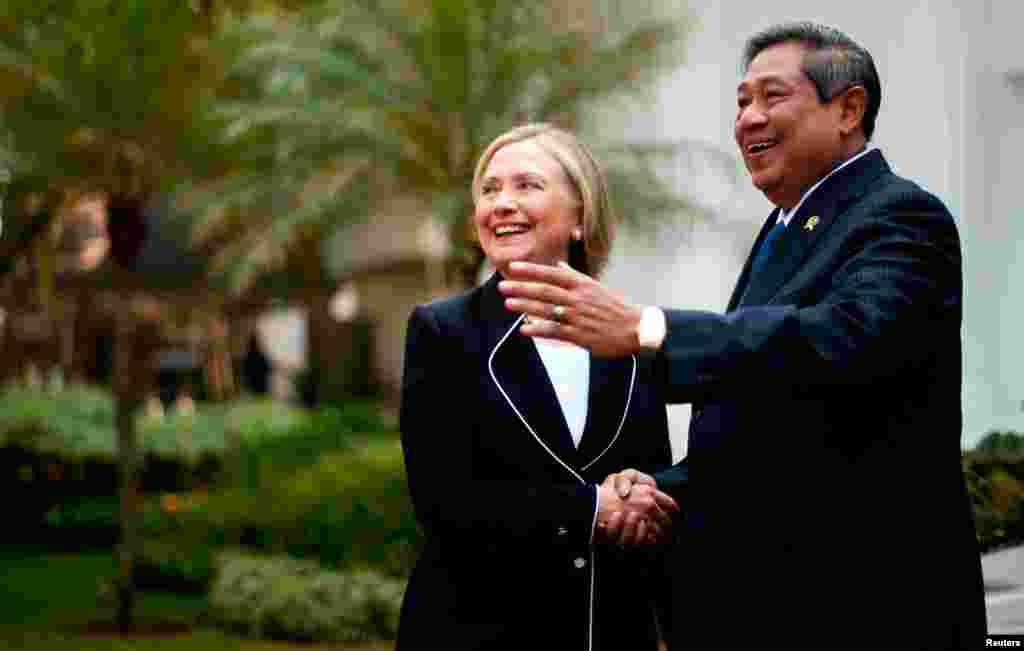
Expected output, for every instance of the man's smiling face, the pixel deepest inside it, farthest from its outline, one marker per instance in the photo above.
(787, 137)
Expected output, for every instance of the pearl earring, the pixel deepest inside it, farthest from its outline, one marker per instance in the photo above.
(577, 234)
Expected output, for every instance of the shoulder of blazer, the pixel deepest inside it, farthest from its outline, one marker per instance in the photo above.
(468, 310)
(898, 191)
(872, 186)
(898, 201)
(450, 310)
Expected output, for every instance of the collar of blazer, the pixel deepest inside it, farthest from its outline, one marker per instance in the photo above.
(806, 228)
(517, 371)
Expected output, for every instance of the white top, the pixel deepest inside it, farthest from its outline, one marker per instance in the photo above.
(568, 367)
(786, 215)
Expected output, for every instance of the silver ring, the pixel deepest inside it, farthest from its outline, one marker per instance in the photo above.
(558, 313)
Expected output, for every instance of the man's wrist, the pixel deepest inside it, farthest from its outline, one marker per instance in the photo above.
(651, 330)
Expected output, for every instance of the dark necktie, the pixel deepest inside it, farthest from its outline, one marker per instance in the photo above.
(767, 245)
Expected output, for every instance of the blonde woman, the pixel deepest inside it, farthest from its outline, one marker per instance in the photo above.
(507, 437)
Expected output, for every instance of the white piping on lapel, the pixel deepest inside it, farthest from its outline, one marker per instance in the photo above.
(490, 367)
(593, 559)
(590, 610)
(625, 412)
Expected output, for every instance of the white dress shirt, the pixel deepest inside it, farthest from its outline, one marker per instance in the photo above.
(568, 367)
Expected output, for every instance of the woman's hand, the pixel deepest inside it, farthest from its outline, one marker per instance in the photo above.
(631, 510)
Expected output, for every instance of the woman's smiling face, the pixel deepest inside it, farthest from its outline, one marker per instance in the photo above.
(525, 208)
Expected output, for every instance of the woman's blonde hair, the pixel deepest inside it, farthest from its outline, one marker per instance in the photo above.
(586, 179)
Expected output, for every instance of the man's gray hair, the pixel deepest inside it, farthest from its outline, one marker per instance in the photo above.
(834, 62)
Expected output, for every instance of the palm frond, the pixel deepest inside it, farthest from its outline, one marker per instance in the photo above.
(418, 88)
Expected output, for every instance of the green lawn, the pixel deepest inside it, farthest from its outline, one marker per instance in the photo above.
(47, 599)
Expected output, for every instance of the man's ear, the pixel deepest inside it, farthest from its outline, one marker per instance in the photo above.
(853, 104)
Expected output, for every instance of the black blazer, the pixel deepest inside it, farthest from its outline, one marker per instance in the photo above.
(506, 501)
(825, 502)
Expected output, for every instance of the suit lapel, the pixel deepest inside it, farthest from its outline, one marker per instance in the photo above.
(520, 375)
(814, 218)
(611, 382)
(520, 370)
(792, 247)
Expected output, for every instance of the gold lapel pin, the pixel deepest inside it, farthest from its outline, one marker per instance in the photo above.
(811, 223)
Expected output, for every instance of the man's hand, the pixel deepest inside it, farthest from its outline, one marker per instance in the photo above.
(590, 315)
(623, 481)
(637, 514)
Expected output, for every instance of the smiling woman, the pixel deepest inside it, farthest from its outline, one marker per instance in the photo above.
(541, 197)
(506, 438)
(526, 209)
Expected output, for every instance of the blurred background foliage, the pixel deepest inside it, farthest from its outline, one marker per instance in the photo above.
(272, 123)
(355, 103)
(994, 470)
(248, 488)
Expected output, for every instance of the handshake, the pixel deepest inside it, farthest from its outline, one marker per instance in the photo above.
(632, 511)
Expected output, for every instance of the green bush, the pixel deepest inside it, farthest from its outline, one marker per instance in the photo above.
(77, 419)
(94, 522)
(349, 509)
(86, 523)
(299, 601)
(57, 446)
(1001, 440)
(333, 428)
(326, 484)
(995, 481)
(175, 564)
(170, 560)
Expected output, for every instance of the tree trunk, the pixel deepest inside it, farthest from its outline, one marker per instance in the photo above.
(130, 501)
(135, 341)
(219, 371)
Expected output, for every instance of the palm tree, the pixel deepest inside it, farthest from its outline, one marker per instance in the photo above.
(356, 102)
(109, 96)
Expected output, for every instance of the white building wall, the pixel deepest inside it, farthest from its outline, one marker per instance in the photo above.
(995, 237)
(950, 120)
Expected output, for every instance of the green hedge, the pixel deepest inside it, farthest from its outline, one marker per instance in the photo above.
(325, 486)
(57, 447)
(995, 480)
(282, 598)
(349, 509)
(79, 421)
(328, 487)
(176, 564)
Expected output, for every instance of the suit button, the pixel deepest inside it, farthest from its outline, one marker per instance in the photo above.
(562, 531)
(697, 413)
(580, 562)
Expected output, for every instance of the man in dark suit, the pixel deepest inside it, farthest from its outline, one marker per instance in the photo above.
(824, 500)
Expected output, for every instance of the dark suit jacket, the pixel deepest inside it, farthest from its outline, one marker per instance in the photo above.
(506, 501)
(824, 497)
